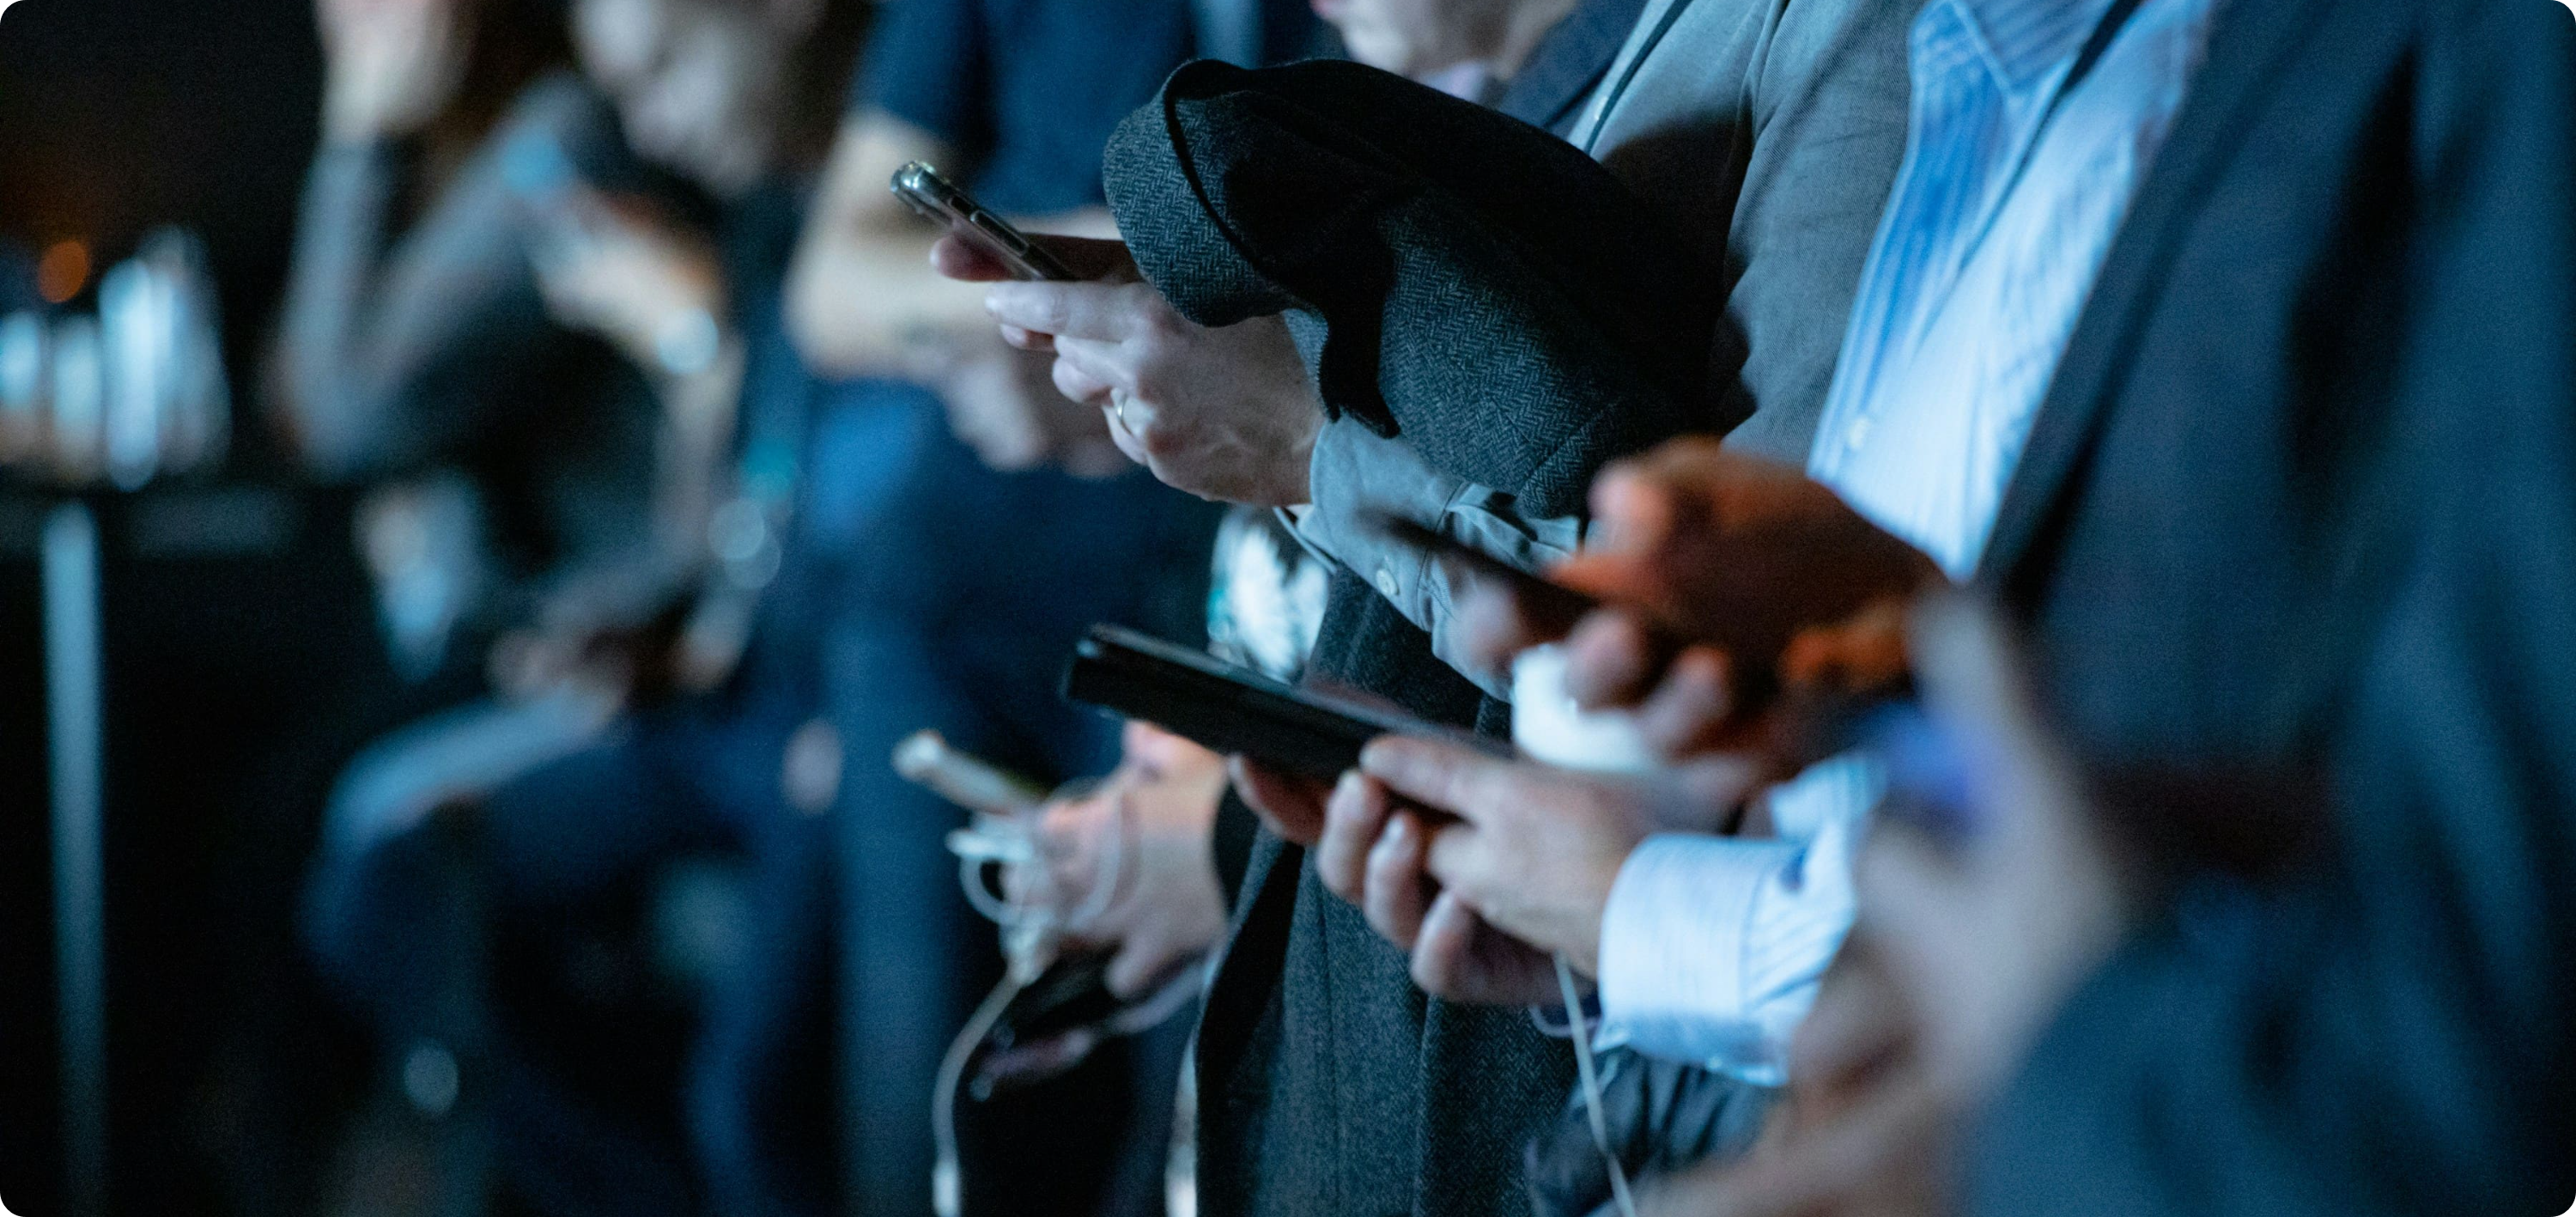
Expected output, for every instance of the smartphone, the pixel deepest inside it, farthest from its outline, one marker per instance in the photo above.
(941, 202)
(925, 759)
(1554, 604)
(1225, 708)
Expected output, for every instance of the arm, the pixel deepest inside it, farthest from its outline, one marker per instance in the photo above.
(861, 293)
(393, 346)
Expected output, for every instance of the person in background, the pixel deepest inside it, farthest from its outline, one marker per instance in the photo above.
(1024, 528)
(453, 844)
(525, 471)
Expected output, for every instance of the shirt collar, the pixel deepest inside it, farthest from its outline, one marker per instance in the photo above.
(2024, 40)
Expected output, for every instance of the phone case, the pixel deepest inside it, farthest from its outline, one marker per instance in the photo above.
(1226, 708)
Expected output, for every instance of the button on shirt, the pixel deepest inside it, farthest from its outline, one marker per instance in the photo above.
(1372, 473)
(2013, 188)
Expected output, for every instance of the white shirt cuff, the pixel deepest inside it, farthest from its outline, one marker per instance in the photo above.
(1673, 946)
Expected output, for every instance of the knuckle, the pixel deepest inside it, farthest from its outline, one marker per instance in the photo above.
(1164, 441)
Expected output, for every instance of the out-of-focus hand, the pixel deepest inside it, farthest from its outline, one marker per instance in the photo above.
(1699, 546)
(1987, 916)
(1731, 549)
(647, 284)
(1680, 697)
(1740, 598)
(1222, 413)
(1534, 850)
(1002, 404)
(1157, 814)
(1291, 805)
(393, 65)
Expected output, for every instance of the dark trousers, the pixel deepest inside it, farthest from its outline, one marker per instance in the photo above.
(549, 817)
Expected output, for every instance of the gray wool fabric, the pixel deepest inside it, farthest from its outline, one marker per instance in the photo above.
(1502, 303)
(1455, 276)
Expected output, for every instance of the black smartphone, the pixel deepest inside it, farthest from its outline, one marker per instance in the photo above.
(1554, 604)
(941, 202)
(1226, 708)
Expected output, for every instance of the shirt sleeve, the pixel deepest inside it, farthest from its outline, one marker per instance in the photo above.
(395, 345)
(927, 64)
(1357, 471)
(1712, 947)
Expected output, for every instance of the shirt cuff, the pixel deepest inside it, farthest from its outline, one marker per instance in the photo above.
(1356, 472)
(1673, 976)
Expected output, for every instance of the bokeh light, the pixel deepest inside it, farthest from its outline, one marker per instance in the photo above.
(63, 271)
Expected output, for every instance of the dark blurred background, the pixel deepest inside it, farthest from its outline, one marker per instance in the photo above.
(234, 614)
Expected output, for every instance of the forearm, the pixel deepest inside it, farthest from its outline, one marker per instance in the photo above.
(861, 295)
(394, 347)
(340, 242)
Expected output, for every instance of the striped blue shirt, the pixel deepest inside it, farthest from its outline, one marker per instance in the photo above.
(2012, 191)
(2002, 216)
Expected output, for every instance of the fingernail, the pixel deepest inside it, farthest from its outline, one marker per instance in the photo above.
(1345, 798)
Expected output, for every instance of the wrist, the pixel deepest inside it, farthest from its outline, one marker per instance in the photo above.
(347, 125)
(1297, 464)
(1592, 909)
(1297, 475)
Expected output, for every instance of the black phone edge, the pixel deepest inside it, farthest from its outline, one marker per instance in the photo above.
(1222, 707)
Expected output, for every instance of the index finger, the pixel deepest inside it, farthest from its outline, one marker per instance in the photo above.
(1437, 774)
(1096, 311)
(967, 261)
